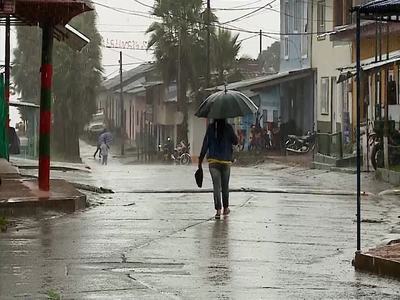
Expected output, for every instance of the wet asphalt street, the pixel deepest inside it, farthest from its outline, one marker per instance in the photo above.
(168, 246)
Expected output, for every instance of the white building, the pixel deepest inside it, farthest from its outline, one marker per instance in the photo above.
(332, 103)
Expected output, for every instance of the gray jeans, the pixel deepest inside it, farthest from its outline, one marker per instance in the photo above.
(220, 174)
(105, 159)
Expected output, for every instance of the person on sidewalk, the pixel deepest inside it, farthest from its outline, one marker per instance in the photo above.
(99, 142)
(104, 151)
(217, 144)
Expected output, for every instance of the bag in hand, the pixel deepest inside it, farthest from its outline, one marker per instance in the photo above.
(199, 177)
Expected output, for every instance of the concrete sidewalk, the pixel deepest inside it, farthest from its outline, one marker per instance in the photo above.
(7, 170)
(21, 197)
(24, 163)
(383, 261)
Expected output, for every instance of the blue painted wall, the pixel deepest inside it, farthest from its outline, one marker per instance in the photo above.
(295, 61)
(270, 100)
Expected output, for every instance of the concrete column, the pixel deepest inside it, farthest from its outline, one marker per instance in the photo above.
(45, 107)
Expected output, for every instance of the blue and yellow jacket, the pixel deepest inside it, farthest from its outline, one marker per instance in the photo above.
(218, 149)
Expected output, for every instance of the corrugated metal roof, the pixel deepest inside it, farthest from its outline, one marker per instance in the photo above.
(240, 85)
(113, 82)
(370, 63)
(380, 7)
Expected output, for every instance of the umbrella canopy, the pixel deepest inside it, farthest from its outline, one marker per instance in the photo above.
(226, 104)
(105, 137)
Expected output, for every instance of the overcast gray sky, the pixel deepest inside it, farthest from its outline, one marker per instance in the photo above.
(121, 24)
(124, 26)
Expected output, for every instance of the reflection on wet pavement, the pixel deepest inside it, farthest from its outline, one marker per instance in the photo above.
(168, 246)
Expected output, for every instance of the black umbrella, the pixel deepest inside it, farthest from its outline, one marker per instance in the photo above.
(226, 104)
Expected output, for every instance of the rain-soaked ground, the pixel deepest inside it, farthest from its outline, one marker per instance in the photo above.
(168, 246)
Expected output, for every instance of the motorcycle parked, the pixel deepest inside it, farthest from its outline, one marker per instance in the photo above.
(377, 154)
(301, 144)
(179, 154)
(167, 149)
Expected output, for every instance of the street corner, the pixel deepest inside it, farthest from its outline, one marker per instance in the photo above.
(22, 197)
(382, 261)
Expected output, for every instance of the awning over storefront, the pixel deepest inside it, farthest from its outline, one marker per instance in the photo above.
(265, 81)
(368, 65)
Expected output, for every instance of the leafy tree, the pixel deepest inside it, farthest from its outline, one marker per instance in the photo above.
(77, 77)
(181, 30)
(225, 50)
(271, 57)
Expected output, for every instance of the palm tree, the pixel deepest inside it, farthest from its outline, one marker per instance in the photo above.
(77, 77)
(26, 65)
(225, 50)
(179, 38)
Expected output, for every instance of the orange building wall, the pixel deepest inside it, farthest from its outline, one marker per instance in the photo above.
(368, 51)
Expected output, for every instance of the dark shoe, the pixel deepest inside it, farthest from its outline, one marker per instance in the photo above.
(226, 211)
(218, 214)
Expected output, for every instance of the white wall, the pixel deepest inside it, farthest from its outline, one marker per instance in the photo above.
(327, 56)
(197, 129)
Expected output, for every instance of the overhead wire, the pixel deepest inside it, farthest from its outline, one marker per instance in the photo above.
(218, 25)
(247, 15)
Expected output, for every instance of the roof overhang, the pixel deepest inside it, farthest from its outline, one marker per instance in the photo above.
(262, 82)
(368, 66)
(368, 30)
(58, 12)
(23, 104)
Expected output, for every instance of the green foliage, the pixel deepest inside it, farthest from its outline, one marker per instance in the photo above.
(53, 295)
(271, 57)
(225, 49)
(183, 24)
(77, 76)
(3, 223)
(182, 27)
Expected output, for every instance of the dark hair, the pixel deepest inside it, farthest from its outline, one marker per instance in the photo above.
(219, 127)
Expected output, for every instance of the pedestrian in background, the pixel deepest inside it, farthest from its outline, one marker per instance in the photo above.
(104, 151)
(217, 145)
(99, 142)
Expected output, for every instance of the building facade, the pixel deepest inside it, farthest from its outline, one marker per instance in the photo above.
(380, 55)
(296, 96)
(332, 109)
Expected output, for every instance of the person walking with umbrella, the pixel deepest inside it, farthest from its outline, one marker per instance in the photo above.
(106, 138)
(220, 138)
(99, 142)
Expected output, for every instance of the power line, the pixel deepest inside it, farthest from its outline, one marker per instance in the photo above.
(243, 5)
(248, 14)
(127, 55)
(221, 25)
(124, 64)
(144, 4)
(122, 31)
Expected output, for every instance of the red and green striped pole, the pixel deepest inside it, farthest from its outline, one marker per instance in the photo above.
(45, 107)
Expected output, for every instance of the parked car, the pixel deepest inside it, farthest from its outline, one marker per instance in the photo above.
(96, 126)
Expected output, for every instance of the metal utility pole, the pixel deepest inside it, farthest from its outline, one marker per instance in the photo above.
(122, 106)
(208, 63)
(179, 85)
(260, 57)
(386, 137)
(358, 107)
(7, 73)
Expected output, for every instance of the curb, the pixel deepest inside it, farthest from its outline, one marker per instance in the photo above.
(31, 206)
(380, 266)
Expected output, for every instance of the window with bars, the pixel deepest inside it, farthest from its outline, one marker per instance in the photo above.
(304, 36)
(321, 16)
(296, 12)
(286, 47)
(324, 95)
